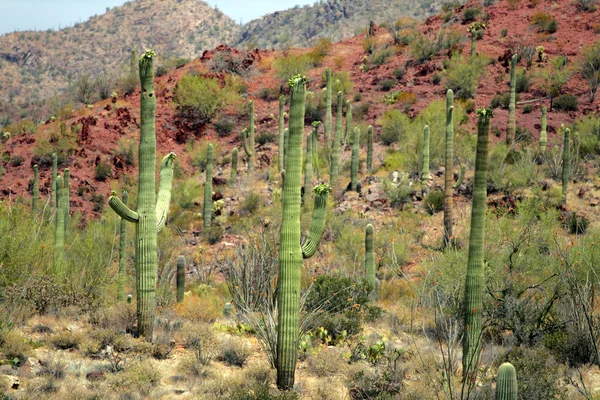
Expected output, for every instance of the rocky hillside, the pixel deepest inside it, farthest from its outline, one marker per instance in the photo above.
(37, 65)
(334, 19)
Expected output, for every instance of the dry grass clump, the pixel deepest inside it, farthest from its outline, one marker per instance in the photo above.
(140, 377)
(201, 340)
(15, 346)
(327, 362)
(235, 351)
(66, 340)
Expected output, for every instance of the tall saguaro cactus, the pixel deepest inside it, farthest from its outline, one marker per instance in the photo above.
(308, 169)
(370, 259)
(370, 149)
(285, 147)
(511, 126)
(54, 172)
(122, 271)
(180, 278)
(280, 139)
(348, 121)
(506, 384)
(248, 139)
(151, 213)
(335, 147)
(35, 190)
(448, 168)
(234, 162)
(566, 165)
(328, 112)
(207, 209)
(543, 133)
(425, 173)
(315, 148)
(291, 251)
(473, 302)
(59, 232)
(355, 160)
(67, 198)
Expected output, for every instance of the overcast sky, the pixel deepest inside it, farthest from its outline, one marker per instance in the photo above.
(52, 14)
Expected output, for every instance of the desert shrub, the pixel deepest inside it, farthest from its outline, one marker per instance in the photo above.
(65, 340)
(314, 108)
(250, 204)
(16, 161)
(503, 32)
(369, 43)
(393, 124)
(337, 294)
(126, 151)
(587, 5)
(261, 392)
(469, 14)
(102, 172)
(291, 64)
(138, 377)
(434, 201)
(527, 109)
(436, 78)
(228, 62)
(588, 128)
(235, 351)
(566, 102)
(387, 84)
(381, 56)
(202, 341)
(423, 47)
(359, 111)
(576, 224)
(544, 22)
(376, 383)
(399, 73)
(224, 126)
(265, 137)
(213, 234)
(327, 362)
(15, 346)
(462, 76)
(590, 67)
(161, 70)
(319, 51)
(522, 82)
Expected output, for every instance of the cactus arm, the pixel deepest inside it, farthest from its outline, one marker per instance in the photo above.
(328, 114)
(425, 170)
(122, 210)
(317, 225)
(335, 147)
(280, 138)
(543, 133)
(511, 126)
(163, 199)
(474, 284)
(566, 165)
(35, 190)
(448, 168)
(54, 172)
(122, 271)
(180, 278)
(244, 137)
(461, 176)
(370, 149)
(506, 384)
(355, 159)
(207, 208)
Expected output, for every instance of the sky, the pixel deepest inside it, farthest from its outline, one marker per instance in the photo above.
(51, 14)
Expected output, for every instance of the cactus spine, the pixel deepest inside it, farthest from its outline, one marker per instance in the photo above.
(122, 271)
(207, 209)
(355, 159)
(543, 133)
(511, 127)
(328, 112)
(180, 278)
(54, 172)
(35, 190)
(335, 147)
(425, 173)
(59, 232)
(290, 251)
(234, 161)
(151, 213)
(348, 121)
(473, 303)
(248, 139)
(281, 141)
(370, 149)
(66, 199)
(566, 166)
(448, 168)
(506, 384)
(370, 260)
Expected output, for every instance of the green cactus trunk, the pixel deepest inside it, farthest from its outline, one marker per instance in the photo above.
(281, 138)
(308, 169)
(151, 213)
(335, 147)
(425, 173)
(67, 199)
(122, 271)
(290, 251)
(35, 191)
(370, 149)
(566, 166)
(248, 140)
(348, 130)
(286, 134)
(506, 384)
(370, 260)
(59, 232)
(511, 126)
(473, 44)
(328, 108)
(473, 301)
(448, 178)
(207, 209)
(180, 278)
(315, 149)
(234, 162)
(355, 160)
(132, 63)
(54, 172)
(543, 133)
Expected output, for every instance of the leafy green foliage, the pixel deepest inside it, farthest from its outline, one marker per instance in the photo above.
(462, 76)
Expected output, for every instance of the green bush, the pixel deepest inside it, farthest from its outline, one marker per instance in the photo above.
(102, 171)
(265, 137)
(336, 294)
(250, 203)
(576, 224)
(522, 82)
(235, 351)
(393, 123)
(462, 76)
(544, 22)
(224, 126)
(386, 84)
(470, 13)
(381, 56)
(434, 202)
(566, 102)
(291, 64)
(400, 193)
(399, 73)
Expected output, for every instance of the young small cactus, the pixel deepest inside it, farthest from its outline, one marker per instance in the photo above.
(234, 162)
(122, 271)
(506, 383)
(328, 113)
(425, 171)
(180, 278)
(335, 147)
(370, 149)
(59, 232)
(248, 140)
(54, 172)
(543, 133)
(207, 209)
(348, 121)
(281, 142)
(461, 176)
(566, 166)
(370, 260)
(355, 160)
(35, 191)
(448, 178)
(67, 199)
(511, 127)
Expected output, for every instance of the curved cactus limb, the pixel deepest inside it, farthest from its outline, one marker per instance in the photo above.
(317, 225)
(461, 176)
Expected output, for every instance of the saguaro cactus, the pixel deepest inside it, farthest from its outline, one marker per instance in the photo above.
(281, 142)
(348, 121)
(448, 168)
(151, 214)
(370, 260)
(234, 161)
(506, 384)
(66, 198)
(248, 136)
(473, 303)
(132, 63)
(315, 148)
(59, 232)
(425, 173)
(511, 126)
(328, 112)
(355, 159)
(461, 176)
(335, 147)
(54, 172)
(543, 133)
(370, 149)
(566, 165)
(207, 209)
(308, 169)
(35, 190)
(122, 271)
(291, 251)
(180, 278)
(285, 147)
